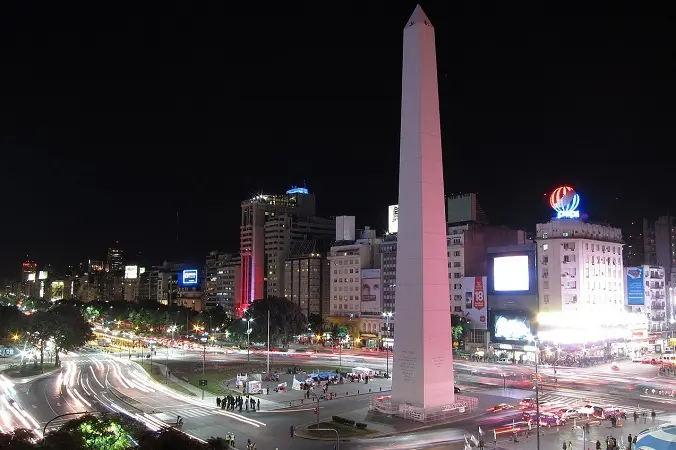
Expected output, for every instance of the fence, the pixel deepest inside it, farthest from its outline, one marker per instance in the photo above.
(463, 404)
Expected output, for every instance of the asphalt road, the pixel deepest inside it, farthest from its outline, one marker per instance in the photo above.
(100, 382)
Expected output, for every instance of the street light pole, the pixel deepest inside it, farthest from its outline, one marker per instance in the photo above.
(387, 315)
(268, 368)
(248, 332)
(204, 360)
(537, 396)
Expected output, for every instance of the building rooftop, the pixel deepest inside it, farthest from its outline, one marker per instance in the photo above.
(308, 247)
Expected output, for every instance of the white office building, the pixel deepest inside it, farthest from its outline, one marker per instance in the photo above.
(580, 267)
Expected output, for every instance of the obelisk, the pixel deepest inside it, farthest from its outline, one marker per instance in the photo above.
(423, 359)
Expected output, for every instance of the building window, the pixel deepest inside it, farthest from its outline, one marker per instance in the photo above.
(545, 247)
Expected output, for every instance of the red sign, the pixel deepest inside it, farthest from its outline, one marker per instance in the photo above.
(479, 300)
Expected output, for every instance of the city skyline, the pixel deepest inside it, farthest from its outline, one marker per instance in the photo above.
(115, 156)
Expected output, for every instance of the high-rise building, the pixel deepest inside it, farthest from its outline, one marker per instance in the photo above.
(221, 281)
(270, 225)
(646, 293)
(633, 249)
(659, 244)
(579, 267)
(465, 208)
(307, 277)
(29, 275)
(114, 262)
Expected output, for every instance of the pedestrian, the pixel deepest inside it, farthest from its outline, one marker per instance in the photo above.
(652, 414)
(218, 402)
(635, 416)
(291, 430)
(565, 447)
(598, 445)
(258, 404)
(570, 445)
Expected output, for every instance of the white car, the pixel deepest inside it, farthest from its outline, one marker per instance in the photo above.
(568, 413)
(588, 410)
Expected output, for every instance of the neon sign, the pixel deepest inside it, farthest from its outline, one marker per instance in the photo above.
(565, 201)
(298, 190)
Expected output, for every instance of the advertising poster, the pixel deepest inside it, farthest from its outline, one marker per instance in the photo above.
(370, 290)
(635, 286)
(130, 272)
(474, 289)
(57, 290)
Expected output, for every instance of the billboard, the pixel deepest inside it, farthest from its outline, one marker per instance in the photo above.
(130, 272)
(42, 275)
(474, 295)
(511, 326)
(393, 219)
(370, 290)
(31, 277)
(635, 286)
(512, 272)
(188, 277)
(57, 290)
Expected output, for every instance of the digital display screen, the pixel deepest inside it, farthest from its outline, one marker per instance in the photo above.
(511, 328)
(189, 277)
(511, 273)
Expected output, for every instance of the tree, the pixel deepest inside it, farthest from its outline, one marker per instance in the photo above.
(107, 432)
(40, 330)
(459, 327)
(286, 320)
(71, 329)
(19, 439)
(316, 323)
(12, 320)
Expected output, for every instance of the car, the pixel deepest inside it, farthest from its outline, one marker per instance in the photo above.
(529, 402)
(591, 410)
(456, 389)
(566, 413)
(499, 407)
(511, 428)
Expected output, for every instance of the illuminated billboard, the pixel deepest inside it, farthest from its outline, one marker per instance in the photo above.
(511, 273)
(511, 270)
(31, 277)
(370, 290)
(474, 290)
(42, 275)
(141, 270)
(565, 201)
(130, 272)
(511, 326)
(635, 286)
(393, 219)
(188, 277)
(58, 288)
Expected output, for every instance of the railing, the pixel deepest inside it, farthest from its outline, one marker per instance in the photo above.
(462, 405)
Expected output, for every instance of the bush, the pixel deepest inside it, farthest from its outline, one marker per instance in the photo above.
(343, 421)
(361, 426)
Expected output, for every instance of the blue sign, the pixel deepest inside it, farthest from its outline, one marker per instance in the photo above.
(189, 277)
(635, 287)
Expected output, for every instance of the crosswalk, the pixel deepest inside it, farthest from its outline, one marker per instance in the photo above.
(579, 399)
(188, 412)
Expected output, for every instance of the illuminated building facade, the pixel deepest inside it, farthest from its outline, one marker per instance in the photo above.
(114, 262)
(646, 293)
(580, 267)
(270, 224)
(221, 281)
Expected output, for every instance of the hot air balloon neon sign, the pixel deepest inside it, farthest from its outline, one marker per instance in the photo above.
(565, 201)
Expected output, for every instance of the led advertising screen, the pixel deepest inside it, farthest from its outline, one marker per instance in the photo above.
(511, 273)
(57, 290)
(43, 275)
(635, 286)
(370, 290)
(188, 277)
(511, 326)
(130, 272)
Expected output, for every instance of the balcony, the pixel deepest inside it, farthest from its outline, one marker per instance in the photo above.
(658, 305)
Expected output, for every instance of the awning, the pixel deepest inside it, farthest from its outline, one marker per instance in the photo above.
(658, 438)
(368, 335)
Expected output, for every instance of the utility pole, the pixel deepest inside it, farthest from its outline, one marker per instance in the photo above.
(204, 361)
(268, 369)
(537, 395)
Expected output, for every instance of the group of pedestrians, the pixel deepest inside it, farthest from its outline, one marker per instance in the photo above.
(231, 403)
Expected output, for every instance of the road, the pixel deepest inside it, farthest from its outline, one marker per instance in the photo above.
(103, 382)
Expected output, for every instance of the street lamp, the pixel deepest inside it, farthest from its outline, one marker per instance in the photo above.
(248, 321)
(387, 315)
(166, 366)
(537, 393)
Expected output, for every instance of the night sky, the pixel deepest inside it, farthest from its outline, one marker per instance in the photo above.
(113, 120)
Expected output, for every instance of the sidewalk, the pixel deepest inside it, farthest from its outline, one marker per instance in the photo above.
(209, 398)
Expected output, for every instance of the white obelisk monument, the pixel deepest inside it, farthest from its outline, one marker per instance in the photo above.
(423, 359)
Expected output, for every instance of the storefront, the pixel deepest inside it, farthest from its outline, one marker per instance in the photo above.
(368, 340)
(519, 354)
